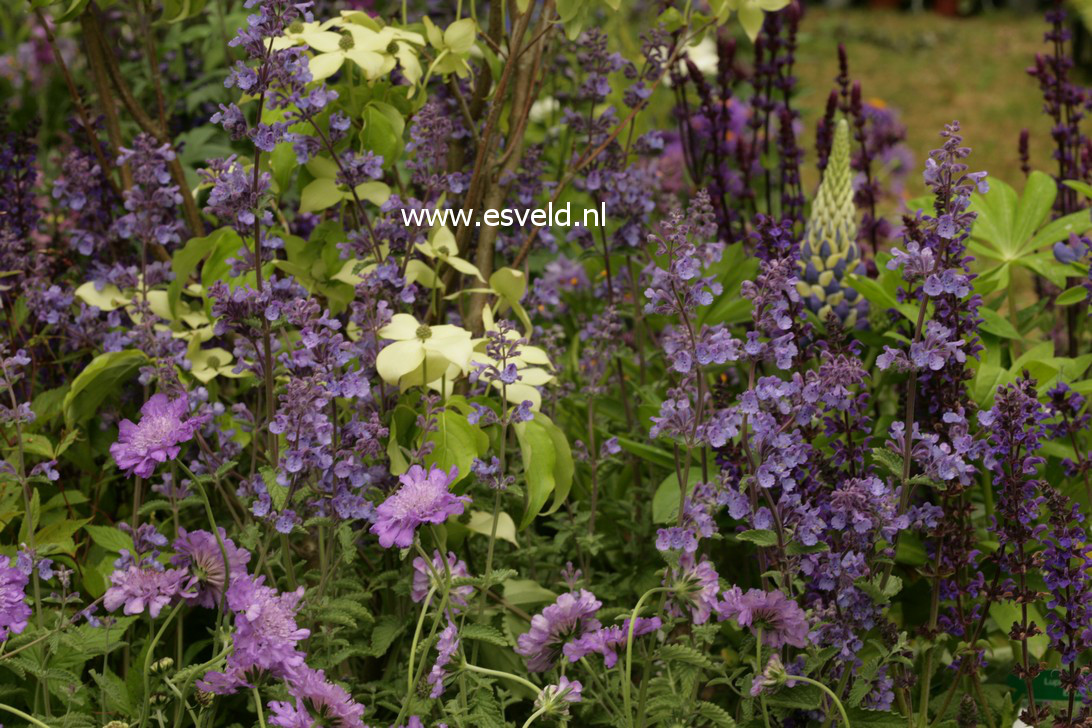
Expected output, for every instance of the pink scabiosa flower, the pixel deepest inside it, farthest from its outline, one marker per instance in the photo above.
(423, 578)
(163, 426)
(423, 497)
(140, 589)
(199, 554)
(317, 702)
(781, 620)
(694, 585)
(569, 618)
(446, 647)
(14, 610)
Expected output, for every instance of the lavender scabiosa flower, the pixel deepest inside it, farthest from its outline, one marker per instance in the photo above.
(695, 586)
(446, 646)
(265, 638)
(164, 426)
(317, 701)
(198, 552)
(425, 576)
(777, 618)
(556, 699)
(570, 617)
(423, 497)
(139, 589)
(607, 641)
(14, 610)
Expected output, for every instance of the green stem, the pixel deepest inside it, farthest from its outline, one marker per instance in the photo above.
(758, 676)
(28, 718)
(534, 716)
(828, 691)
(258, 706)
(506, 675)
(148, 661)
(417, 639)
(626, 682)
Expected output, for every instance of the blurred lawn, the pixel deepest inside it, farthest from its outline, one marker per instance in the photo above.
(934, 69)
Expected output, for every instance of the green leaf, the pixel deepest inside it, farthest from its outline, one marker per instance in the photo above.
(1070, 296)
(1058, 230)
(563, 461)
(383, 634)
(111, 539)
(30, 520)
(383, 129)
(484, 633)
(185, 260)
(1006, 614)
(456, 443)
(759, 537)
(526, 591)
(665, 501)
(801, 697)
(319, 194)
(482, 522)
(859, 717)
(651, 454)
(57, 536)
(1034, 206)
(539, 460)
(996, 324)
(98, 380)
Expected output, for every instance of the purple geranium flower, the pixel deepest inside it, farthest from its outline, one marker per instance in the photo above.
(14, 611)
(199, 554)
(569, 618)
(781, 620)
(424, 497)
(139, 589)
(163, 427)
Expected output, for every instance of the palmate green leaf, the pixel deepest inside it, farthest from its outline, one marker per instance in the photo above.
(1070, 296)
(98, 380)
(997, 325)
(1034, 207)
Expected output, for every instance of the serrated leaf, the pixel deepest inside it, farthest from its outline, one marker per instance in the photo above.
(484, 633)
